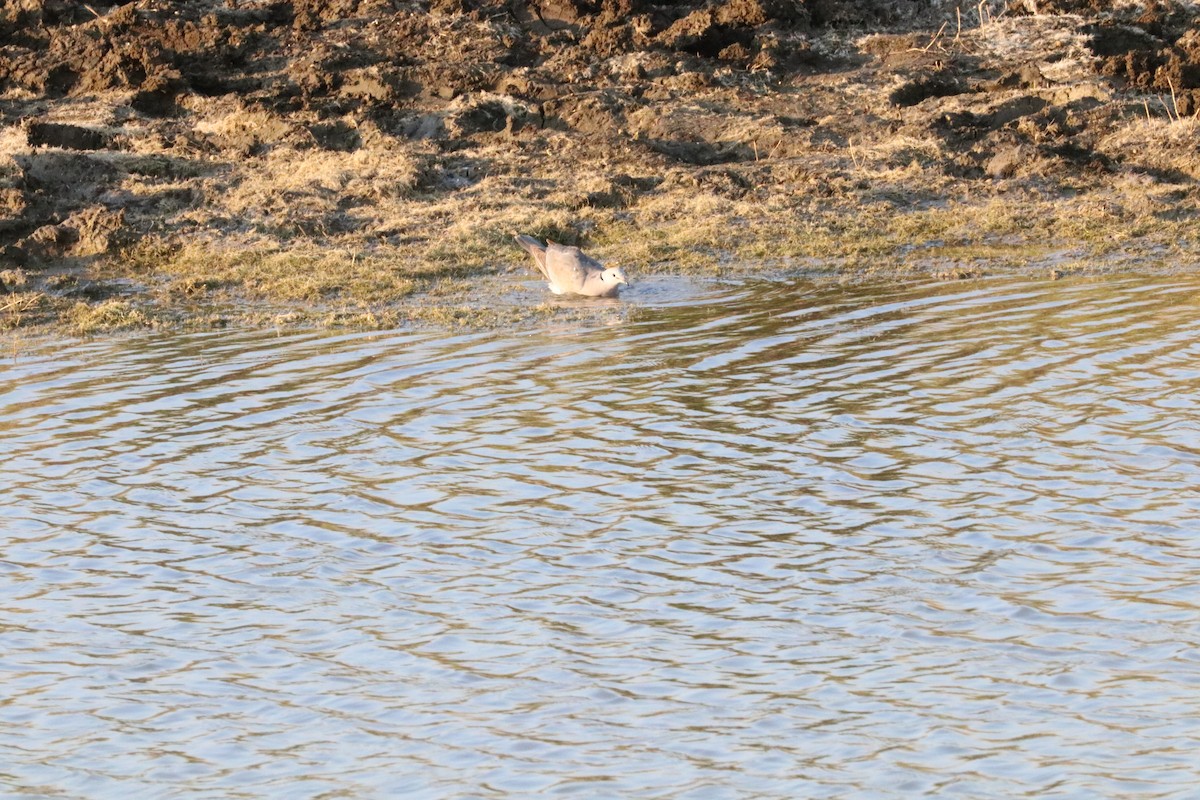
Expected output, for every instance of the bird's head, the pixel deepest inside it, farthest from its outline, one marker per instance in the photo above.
(614, 275)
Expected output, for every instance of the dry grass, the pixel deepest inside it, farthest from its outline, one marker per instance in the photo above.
(1164, 143)
(304, 273)
(298, 183)
(234, 126)
(13, 141)
(18, 309)
(112, 315)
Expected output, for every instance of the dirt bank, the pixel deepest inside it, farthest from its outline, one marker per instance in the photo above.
(358, 160)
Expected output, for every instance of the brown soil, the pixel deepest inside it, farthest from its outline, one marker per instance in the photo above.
(349, 155)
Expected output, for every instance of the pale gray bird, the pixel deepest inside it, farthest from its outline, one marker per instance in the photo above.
(569, 271)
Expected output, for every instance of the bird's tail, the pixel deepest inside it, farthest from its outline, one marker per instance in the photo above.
(535, 249)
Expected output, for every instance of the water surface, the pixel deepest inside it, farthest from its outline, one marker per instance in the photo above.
(751, 540)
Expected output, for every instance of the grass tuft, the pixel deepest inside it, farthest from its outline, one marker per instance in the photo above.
(111, 315)
(304, 273)
(16, 309)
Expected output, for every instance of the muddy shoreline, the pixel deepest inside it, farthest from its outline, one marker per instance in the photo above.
(366, 162)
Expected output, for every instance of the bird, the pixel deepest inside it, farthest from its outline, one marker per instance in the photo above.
(569, 271)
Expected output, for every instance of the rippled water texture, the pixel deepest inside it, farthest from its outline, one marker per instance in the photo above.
(756, 540)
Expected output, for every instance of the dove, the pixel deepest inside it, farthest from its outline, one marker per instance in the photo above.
(569, 271)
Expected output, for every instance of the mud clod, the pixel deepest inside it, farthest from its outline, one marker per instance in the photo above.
(702, 34)
(69, 137)
(1010, 160)
(13, 280)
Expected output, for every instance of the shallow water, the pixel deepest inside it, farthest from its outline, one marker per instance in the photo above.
(752, 540)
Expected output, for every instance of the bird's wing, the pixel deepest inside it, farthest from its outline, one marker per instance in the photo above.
(568, 268)
(535, 249)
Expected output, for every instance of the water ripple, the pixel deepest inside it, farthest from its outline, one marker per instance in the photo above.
(762, 539)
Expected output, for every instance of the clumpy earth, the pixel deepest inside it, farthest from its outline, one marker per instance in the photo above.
(367, 162)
